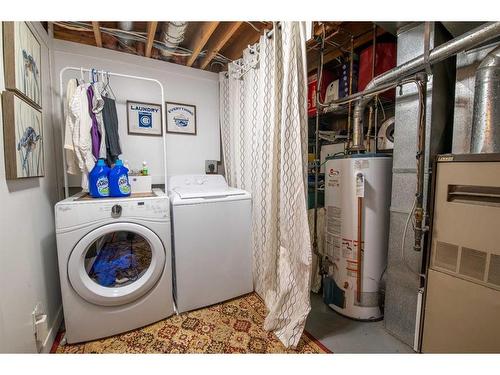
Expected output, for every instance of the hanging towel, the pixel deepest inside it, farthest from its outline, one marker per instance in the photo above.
(94, 130)
(69, 148)
(110, 119)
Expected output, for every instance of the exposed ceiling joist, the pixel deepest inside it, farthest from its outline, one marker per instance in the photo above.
(199, 40)
(97, 33)
(222, 35)
(246, 36)
(151, 37)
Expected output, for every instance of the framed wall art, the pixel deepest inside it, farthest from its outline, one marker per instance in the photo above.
(181, 118)
(144, 118)
(22, 57)
(23, 137)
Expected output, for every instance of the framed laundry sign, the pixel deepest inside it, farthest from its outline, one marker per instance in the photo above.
(181, 118)
(22, 57)
(144, 118)
(23, 137)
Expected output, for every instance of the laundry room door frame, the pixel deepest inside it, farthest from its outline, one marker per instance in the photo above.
(87, 70)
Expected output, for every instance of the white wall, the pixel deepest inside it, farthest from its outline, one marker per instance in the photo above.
(185, 153)
(28, 255)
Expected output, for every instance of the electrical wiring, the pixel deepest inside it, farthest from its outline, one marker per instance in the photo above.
(382, 107)
(253, 26)
(70, 27)
(216, 63)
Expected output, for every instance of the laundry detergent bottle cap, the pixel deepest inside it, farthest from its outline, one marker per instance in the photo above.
(98, 180)
(119, 185)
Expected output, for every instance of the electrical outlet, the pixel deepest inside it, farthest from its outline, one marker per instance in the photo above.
(211, 166)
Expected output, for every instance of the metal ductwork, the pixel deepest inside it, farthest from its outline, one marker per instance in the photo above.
(127, 26)
(468, 40)
(486, 115)
(172, 35)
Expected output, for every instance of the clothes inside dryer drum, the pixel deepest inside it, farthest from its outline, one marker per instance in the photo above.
(122, 259)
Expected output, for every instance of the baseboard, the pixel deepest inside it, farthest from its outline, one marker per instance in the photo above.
(47, 345)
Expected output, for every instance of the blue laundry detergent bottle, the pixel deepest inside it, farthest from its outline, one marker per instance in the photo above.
(98, 180)
(118, 180)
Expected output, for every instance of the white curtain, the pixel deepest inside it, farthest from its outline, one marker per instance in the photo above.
(263, 112)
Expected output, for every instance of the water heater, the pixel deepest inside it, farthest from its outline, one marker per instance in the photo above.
(357, 200)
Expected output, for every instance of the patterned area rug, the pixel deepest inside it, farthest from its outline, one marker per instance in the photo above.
(234, 326)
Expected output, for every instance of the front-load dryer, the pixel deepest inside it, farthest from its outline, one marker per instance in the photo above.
(114, 263)
(211, 240)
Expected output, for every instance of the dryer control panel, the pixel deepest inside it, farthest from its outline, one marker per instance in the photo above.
(75, 213)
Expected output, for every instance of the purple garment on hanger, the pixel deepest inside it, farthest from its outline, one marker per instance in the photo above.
(94, 131)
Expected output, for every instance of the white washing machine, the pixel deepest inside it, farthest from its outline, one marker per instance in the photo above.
(211, 240)
(114, 264)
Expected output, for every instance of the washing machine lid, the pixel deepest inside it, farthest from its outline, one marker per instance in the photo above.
(193, 192)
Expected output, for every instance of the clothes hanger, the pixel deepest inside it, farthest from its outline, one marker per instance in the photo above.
(82, 80)
(108, 86)
(95, 75)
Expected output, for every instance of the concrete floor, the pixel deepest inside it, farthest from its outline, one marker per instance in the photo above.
(343, 335)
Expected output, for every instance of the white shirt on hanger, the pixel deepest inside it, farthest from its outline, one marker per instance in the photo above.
(81, 126)
(69, 148)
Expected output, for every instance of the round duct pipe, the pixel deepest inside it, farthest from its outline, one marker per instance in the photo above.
(486, 115)
(173, 35)
(127, 26)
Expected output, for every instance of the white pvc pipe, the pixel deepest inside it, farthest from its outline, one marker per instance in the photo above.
(163, 118)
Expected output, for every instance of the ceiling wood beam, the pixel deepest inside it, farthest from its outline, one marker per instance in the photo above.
(73, 36)
(97, 33)
(221, 38)
(151, 37)
(201, 38)
(312, 56)
(245, 37)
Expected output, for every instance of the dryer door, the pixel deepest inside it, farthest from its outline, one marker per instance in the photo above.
(116, 264)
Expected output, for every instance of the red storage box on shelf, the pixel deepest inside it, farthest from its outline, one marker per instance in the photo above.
(385, 59)
(312, 84)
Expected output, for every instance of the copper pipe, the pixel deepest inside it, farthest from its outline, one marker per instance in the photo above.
(360, 224)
